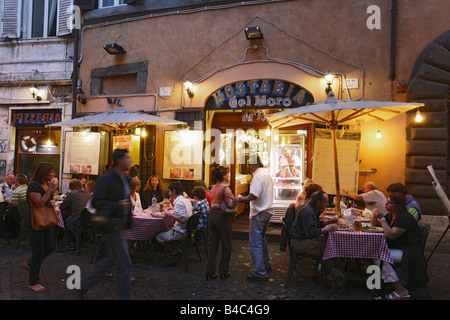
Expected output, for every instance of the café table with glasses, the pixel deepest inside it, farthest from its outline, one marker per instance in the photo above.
(145, 225)
(362, 246)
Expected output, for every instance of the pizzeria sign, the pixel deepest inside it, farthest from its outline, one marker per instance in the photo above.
(259, 94)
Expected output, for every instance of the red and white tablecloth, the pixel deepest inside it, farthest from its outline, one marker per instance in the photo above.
(61, 220)
(144, 226)
(364, 245)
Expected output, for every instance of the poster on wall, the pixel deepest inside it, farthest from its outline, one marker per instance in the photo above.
(348, 146)
(183, 155)
(123, 142)
(82, 153)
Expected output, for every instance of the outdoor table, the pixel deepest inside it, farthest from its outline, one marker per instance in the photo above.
(58, 213)
(358, 245)
(144, 226)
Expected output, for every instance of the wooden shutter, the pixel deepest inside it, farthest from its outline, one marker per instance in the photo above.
(12, 10)
(63, 17)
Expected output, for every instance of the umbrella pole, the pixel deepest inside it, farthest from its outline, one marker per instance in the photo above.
(336, 167)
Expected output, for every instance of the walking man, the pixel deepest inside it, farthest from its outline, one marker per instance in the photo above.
(261, 209)
(112, 200)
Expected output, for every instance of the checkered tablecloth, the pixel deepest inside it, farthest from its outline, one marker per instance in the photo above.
(58, 213)
(145, 227)
(364, 245)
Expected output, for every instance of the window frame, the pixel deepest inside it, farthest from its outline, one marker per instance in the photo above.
(29, 27)
(116, 4)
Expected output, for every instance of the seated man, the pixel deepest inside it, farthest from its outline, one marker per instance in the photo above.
(19, 192)
(411, 205)
(307, 230)
(74, 203)
(372, 197)
(182, 211)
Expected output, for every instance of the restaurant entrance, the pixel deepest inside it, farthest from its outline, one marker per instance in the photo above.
(239, 112)
(33, 142)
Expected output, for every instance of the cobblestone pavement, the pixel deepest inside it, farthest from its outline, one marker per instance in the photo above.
(154, 282)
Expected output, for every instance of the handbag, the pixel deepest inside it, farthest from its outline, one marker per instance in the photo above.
(44, 217)
(224, 208)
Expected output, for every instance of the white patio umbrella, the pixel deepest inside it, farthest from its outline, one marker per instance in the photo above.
(333, 112)
(119, 119)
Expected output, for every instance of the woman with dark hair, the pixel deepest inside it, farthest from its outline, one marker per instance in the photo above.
(152, 188)
(404, 239)
(40, 191)
(219, 225)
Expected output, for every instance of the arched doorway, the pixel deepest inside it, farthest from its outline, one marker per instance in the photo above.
(428, 143)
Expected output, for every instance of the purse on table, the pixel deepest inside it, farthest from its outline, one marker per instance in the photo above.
(44, 217)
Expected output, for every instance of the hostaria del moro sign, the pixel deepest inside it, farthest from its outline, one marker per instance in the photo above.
(259, 94)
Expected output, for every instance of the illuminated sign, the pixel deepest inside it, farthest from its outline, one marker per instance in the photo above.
(260, 94)
(25, 118)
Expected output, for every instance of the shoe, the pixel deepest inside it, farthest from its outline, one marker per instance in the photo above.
(395, 296)
(36, 288)
(225, 275)
(254, 278)
(211, 276)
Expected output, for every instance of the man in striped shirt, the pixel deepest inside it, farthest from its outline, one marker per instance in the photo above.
(20, 191)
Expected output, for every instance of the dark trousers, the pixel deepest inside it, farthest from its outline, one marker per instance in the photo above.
(219, 230)
(42, 244)
(114, 254)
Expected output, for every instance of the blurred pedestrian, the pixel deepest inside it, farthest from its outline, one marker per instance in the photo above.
(112, 202)
(40, 191)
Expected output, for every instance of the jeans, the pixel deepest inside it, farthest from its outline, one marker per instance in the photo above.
(113, 253)
(258, 245)
(42, 244)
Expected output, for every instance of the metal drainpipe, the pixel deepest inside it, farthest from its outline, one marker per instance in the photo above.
(394, 10)
(75, 73)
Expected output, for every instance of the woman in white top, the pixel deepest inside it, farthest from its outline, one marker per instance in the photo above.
(135, 185)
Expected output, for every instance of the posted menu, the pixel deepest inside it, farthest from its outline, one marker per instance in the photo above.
(82, 153)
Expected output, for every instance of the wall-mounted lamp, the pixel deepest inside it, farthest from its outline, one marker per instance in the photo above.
(34, 93)
(188, 87)
(253, 33)
(114, 48)
(79, 94)
(329, 77)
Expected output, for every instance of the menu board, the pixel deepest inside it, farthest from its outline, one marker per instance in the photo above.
(348, 161)
(183, 155)
(82, 153)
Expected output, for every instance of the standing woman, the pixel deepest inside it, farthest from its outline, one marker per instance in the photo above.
(219, 225)
(152, 188)
(40, 191)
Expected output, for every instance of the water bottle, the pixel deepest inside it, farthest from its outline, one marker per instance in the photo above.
(154, 207)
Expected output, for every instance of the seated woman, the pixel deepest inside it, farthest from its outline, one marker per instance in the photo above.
(74, 203)
(135, 185)
(405, 243)
(152, 188)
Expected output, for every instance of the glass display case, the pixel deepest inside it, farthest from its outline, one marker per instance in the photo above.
(287, 167)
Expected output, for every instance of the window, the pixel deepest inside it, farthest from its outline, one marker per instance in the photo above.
(110, 3)
(42, 18)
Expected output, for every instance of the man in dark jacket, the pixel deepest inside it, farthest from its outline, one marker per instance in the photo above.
(308, 229)
(112, 201)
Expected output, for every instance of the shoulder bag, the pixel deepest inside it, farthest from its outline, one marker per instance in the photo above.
(224, 208)
(44, 217)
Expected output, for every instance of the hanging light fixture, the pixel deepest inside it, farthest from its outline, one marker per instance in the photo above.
(378, 135)
(418, 116)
